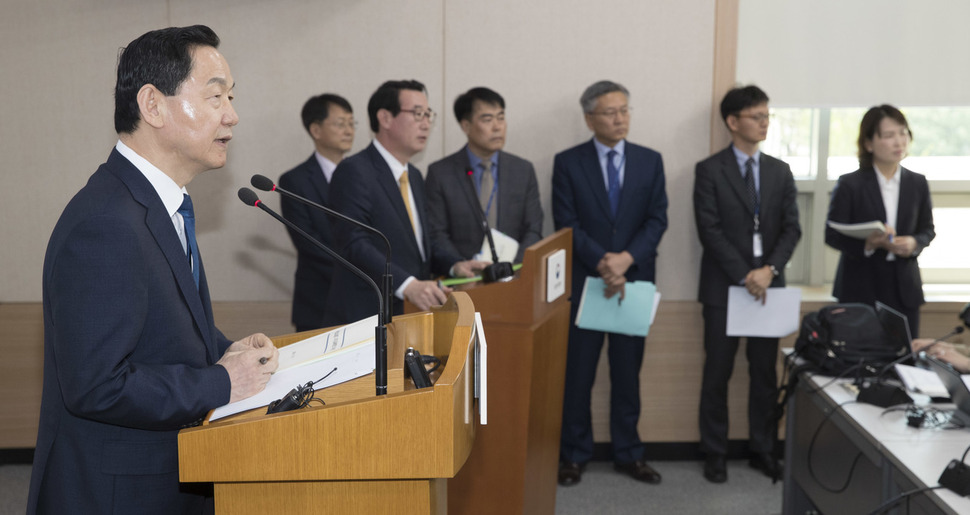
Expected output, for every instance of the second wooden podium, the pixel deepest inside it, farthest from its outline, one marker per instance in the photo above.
(513, 464)
(359, 453)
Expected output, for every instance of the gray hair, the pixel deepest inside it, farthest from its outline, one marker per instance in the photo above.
(594, 92)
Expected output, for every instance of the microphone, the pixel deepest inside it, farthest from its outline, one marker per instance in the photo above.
(497, 271)
(250, 198)
(264, 183)
(965, 315)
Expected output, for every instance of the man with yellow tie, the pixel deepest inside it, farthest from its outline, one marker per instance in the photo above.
(380, 188)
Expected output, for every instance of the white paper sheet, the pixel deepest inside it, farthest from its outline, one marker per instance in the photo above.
(349, 349)
(481, 370)
(921, 381)
(777, 318)
(505, 246)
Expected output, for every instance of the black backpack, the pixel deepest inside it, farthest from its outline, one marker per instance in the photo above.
(839, 337)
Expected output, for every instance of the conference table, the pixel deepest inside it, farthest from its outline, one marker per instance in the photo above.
(847, 457)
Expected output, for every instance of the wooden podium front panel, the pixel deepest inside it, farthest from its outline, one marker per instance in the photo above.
(404, 497)
(513, 464)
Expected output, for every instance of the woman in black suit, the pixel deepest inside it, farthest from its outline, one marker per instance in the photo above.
(882, 267)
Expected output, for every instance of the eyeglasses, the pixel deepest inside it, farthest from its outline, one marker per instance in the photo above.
(342, 124)
(613, 113)
(421, 113)
(757, 118)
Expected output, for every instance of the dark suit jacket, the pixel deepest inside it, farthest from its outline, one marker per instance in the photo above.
(725, 222)
(579, 201)
(363, 188)
(129, 353)
(313, 266)
(454, 216)
(857, 198)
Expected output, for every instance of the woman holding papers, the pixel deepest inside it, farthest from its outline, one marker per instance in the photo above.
(882, 267)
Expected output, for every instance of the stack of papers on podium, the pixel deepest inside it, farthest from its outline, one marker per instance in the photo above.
(632, 316)
(347, 351)
(858, 231)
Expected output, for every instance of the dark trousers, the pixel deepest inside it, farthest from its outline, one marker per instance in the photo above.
(625, 354)
(718, 365)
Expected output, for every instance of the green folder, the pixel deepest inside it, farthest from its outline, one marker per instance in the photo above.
(632, 316)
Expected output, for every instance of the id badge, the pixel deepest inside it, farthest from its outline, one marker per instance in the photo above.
(758, 250)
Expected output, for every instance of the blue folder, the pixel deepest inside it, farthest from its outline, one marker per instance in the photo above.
(632, 316)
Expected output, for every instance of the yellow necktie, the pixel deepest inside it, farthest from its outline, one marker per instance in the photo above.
(403, 181)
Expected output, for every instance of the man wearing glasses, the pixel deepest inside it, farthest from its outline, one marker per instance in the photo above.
(747, 220)
(612, 194)
(329, 120)
(481, 178)
(378, 187)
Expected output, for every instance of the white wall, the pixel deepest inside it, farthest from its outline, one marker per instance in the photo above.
(58, 61)
(857, 53)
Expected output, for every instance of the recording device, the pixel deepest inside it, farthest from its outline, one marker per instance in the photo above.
(497, 271)
(261, 182)
(295, 399)
(956, 477)
(298, 397)
(414, 368)
(250, 198)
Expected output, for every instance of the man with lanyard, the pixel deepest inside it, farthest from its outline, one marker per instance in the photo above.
(747, 220)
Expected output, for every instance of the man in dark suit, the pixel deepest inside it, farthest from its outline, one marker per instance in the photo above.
(502, 185)
(883, 267)
(612, 194)
(378, 187)
(747, 220)
(329, 120)
(131, 354)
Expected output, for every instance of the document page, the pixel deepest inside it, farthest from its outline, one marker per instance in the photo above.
(347, 351)
(859, 231)
(776, 318)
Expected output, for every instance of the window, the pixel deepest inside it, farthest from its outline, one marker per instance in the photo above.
(820, 145)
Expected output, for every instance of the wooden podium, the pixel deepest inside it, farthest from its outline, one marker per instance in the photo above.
(513, 465)
(359, 453)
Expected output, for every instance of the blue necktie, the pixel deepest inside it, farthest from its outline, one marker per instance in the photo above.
(191, 247)
(613, 175)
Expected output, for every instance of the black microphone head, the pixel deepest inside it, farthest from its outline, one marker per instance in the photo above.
(261, 182)
(958, 329)
(248, 196)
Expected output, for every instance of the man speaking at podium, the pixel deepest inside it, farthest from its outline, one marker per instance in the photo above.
(131, 354)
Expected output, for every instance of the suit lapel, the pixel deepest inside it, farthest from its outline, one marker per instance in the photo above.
(464, 182)
(593, 172)
(633, 175)
(874, 196)
(385, 177)
(317, 179)
(907, 198)
(506, 181)
(159, 223)
(732, 173)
